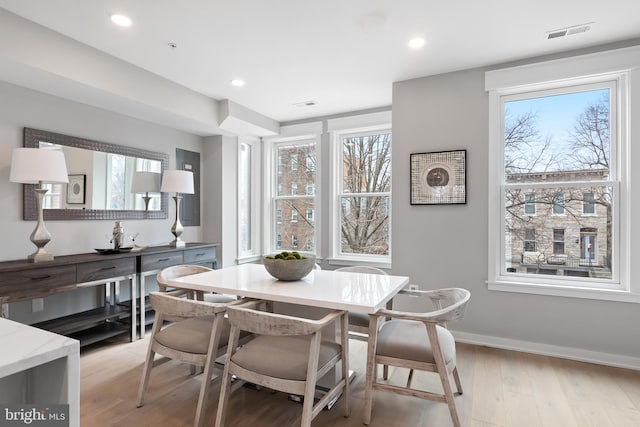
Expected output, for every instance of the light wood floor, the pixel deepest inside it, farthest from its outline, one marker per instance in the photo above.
(501, 388)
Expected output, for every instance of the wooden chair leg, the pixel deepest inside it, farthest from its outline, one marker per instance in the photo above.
(443, 373)
(372, 372)
(146, 373)
(225, 390)
(456, 378)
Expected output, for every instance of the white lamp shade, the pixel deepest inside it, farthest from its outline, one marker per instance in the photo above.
(175, 181)
(34, 165)
(145, 182)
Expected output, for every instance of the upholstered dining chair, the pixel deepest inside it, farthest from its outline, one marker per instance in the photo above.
(417, 341)
(287, 354)
(359, 322)
(175, 271)
(197, 335)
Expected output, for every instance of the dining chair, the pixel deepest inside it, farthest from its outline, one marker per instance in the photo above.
(359, 322)
(190, 331)
(287, 354)
(417, 341)
(175, 271)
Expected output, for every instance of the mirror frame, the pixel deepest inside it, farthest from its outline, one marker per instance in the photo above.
(32, 138)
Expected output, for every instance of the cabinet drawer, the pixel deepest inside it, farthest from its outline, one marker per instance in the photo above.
(98, 270)
(153, 262)
(35, 280)
(200, 255)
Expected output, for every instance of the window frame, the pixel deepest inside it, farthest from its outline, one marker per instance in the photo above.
(255, 249)
(618, 66)
(337, 257)
(307, 132)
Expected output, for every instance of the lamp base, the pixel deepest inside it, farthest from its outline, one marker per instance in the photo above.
(40, 256)
(178, 243)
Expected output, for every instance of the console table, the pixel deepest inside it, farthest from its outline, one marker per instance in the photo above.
(20, 279)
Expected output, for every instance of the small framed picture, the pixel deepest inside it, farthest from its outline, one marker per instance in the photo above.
(438, 178)
(76, 189)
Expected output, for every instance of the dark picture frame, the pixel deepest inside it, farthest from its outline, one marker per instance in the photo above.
(76, 189)
(438, 178)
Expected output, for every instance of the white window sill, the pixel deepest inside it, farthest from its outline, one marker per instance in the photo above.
(385, 265)
(565, 291)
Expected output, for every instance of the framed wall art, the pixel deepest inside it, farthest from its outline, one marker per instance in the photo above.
(76, 189)
(438, 178)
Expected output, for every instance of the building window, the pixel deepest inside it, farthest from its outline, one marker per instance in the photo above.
(311, 188)
(363, 163)
(309, 214)
(311, 163)
(588, 203)
(557, 143)
(288, 206)
(558, 204)
(529, 240)
(530, 204)
(294, 242)
(558, 241)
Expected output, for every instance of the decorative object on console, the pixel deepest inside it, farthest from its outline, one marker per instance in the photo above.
(288, 265)
(144, 183)
(438, 178)
(179, 182)
(38, 166)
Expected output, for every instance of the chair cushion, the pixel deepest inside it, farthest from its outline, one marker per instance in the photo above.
(284, 357)
(407, 339)
(192, 335)
(359, 319)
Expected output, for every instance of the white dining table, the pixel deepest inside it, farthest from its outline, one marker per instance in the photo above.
(357, 292)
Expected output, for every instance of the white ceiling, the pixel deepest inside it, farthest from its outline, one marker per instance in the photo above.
(342, 54)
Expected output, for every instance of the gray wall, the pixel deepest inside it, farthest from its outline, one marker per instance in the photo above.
(443, 246)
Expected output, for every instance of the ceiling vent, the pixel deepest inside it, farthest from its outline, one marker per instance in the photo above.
(576, 29)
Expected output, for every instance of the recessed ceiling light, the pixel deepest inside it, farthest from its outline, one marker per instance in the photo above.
(416, 43)
(123, 21)
(237, 82)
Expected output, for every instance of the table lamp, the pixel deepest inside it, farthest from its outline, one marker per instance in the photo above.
(144, 182)
(37, 166)
(179, 182)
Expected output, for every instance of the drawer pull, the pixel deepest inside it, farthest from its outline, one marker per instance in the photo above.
(108, 268)
(201, 254)
(164, 259)
(46, 276)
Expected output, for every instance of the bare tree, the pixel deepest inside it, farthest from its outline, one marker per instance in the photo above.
(365, 215)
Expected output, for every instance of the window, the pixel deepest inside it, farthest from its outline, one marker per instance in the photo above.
(309, 214)
(530, 204)
(558, 241)
(529, 240)
(588, 203)
(311, 163)
(248, 199)
(555, 148)
(558, 204)
(311, 188)
(286, 206)
(363, 166)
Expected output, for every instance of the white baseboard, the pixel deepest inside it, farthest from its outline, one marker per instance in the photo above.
(571, 353)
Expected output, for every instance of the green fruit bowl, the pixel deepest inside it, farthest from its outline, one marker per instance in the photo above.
(289, 269)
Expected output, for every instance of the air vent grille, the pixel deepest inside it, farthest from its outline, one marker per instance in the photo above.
(569, 31)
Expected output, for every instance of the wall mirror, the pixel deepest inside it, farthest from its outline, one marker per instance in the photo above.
(100, 180)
